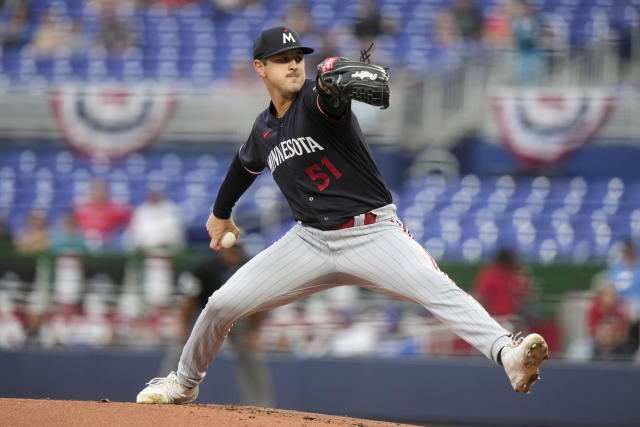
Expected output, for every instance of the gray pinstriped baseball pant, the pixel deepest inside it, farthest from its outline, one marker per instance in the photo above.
(383, 255)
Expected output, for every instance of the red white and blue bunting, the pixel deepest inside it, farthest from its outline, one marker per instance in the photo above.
(543, 126)
(111, 121)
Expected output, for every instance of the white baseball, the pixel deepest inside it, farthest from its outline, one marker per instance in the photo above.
(228, 239)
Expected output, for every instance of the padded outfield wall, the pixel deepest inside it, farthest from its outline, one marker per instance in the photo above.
(470, 391)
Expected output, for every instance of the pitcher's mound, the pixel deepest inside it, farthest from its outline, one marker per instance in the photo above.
(32, 412)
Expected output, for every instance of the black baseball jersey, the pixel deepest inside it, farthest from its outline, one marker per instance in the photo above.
(321, 164)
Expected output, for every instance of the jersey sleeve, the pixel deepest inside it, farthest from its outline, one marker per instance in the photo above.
(235, 183)
(324, 105)
(250, 156)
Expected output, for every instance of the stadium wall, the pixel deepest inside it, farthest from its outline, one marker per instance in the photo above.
(470, 391)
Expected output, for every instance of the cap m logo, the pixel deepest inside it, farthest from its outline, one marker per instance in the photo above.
(287, 37)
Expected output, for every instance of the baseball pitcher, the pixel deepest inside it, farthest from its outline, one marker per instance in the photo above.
(347, 225)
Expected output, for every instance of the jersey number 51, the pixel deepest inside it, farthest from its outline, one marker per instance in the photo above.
(311, 171)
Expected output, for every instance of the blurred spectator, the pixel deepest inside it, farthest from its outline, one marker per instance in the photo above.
(6, 238)
(98, 328)
(503, 286)
(33, 312)
(625, 37)
(52, 35)
(61, 325)
(445, 32)
(297, 16)
(369, 24)
(67, 238)
(114, 34)
(625, 276)
(608, 325)
(12, 333)
(142, 4)
(468, 19)
(497, 24)
(155, 224)
(240, 77)
(393, 341)
(222, 8)
(553, 41)
(99, 218)
(526, 32)
(332, 43)
(86, 323)
(174, 4)
(352, 338)
(69, 245)
(310, 345)
(207, 276)
(79, 41)
(18, 31)
(34, 237)
(60, 37)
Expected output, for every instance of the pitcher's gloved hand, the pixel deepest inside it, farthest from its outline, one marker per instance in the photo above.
(360, 81)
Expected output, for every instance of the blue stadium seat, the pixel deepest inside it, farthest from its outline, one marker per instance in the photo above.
(195, 25)
(188, 14)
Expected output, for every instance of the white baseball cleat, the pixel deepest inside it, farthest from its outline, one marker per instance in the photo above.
(167, 390)
(522, 359)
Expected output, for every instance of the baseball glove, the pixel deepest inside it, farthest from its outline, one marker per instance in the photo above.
(361, 81)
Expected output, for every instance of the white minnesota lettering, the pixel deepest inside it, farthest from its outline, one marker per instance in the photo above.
(295, 144)
(292, 153)
(304, 145)
(291, 148)
(284, 147)
(313, 144)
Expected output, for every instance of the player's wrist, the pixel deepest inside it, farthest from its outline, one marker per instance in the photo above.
(221, 212)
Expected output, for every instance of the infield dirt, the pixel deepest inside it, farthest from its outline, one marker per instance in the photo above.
(45, 412)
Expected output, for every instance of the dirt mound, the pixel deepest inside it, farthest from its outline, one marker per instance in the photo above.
(31, 412)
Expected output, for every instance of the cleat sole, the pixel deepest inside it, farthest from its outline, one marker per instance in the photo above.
(522, 361)
(537, 352)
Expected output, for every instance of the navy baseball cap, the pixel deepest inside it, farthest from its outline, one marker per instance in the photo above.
(275, 40)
